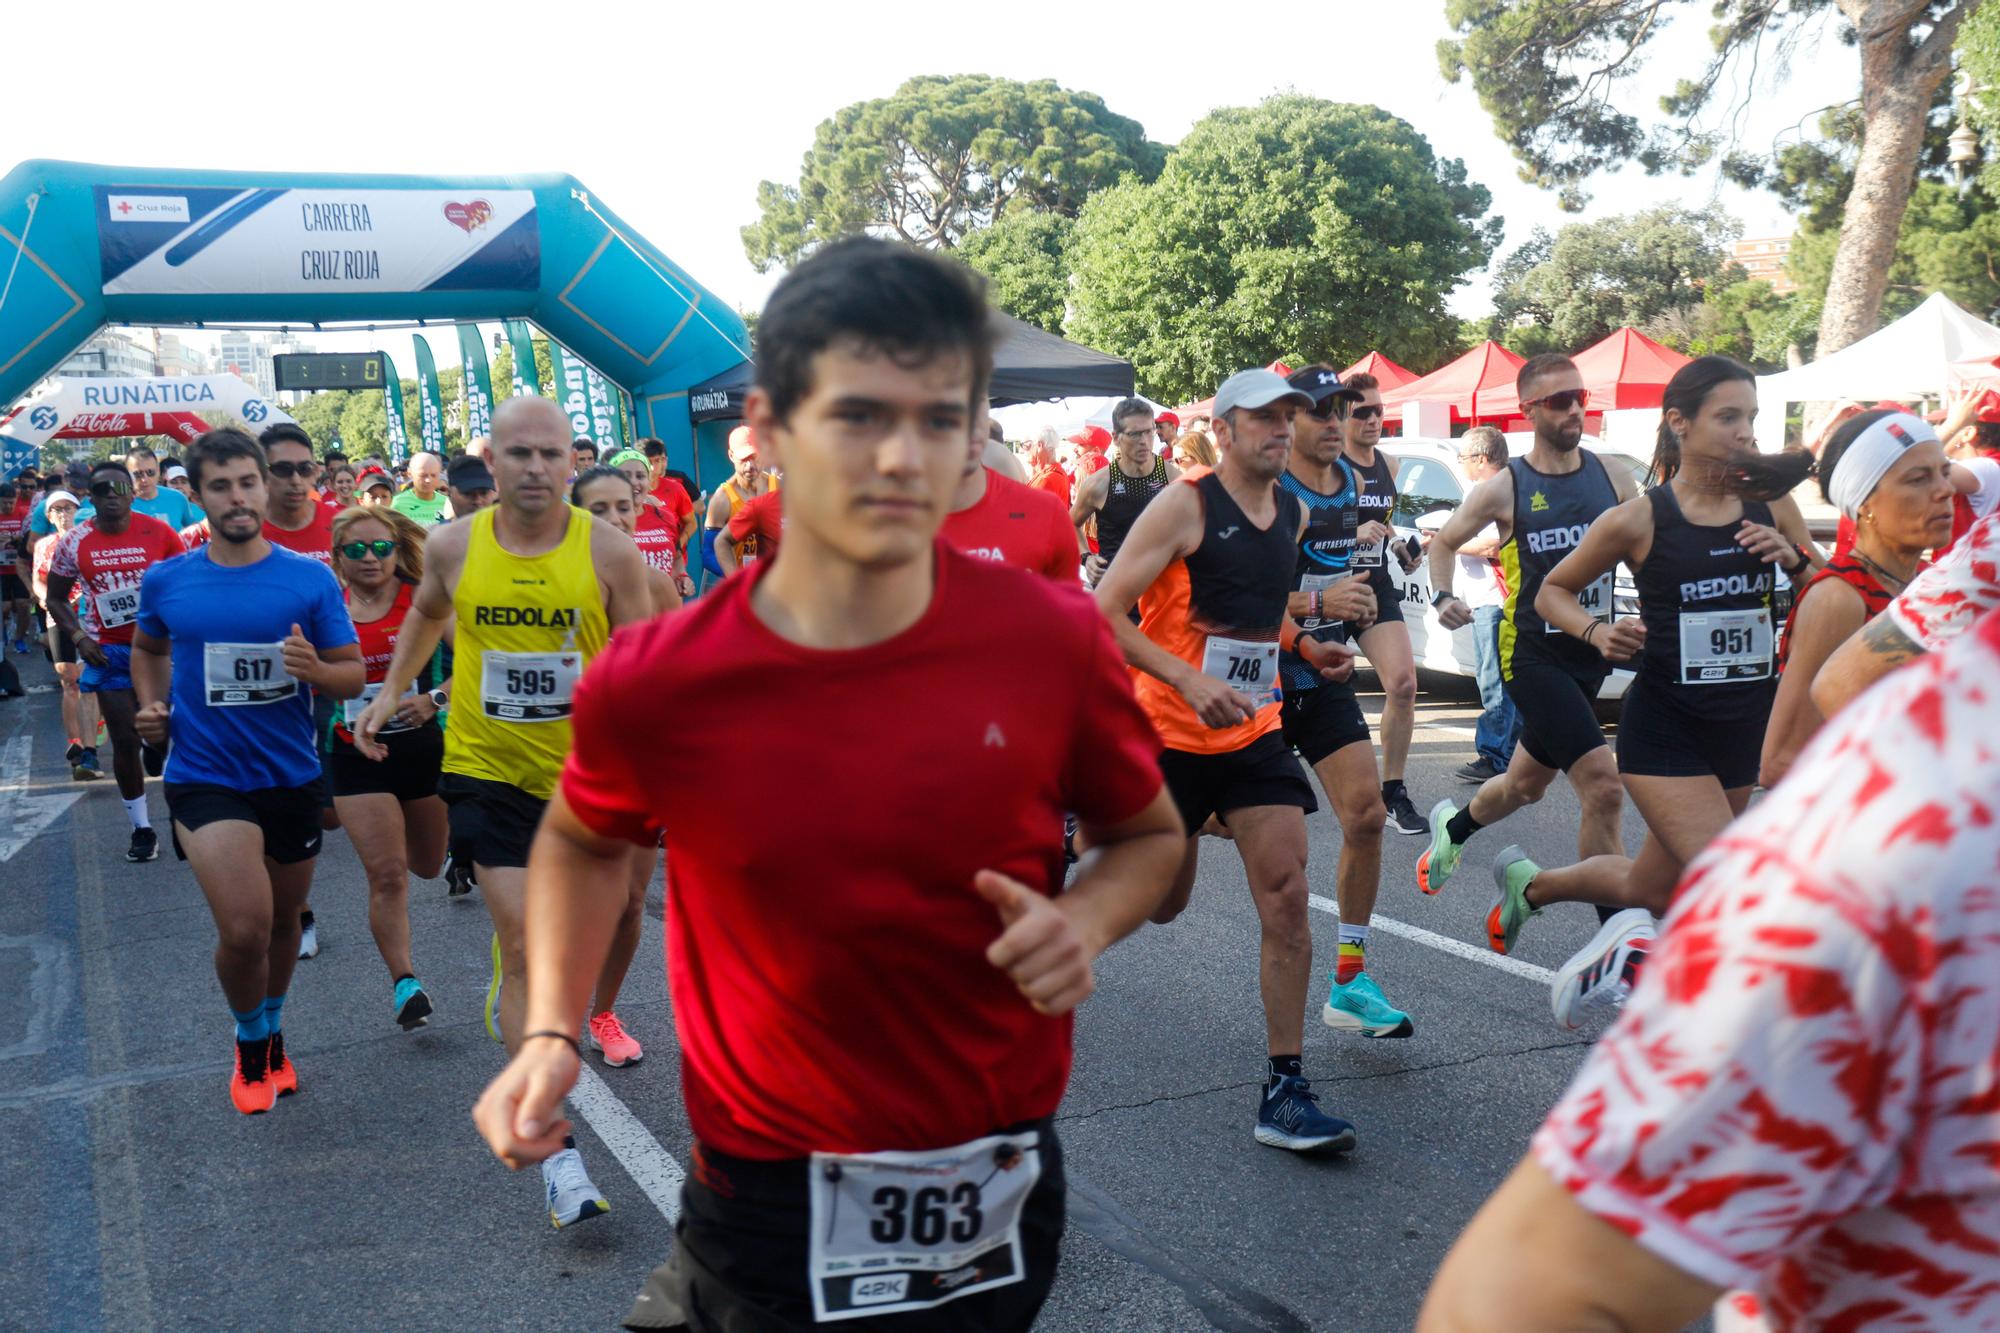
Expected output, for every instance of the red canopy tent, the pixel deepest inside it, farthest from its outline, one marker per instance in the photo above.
(1387, 374)
(1468, 384)
(1627, 369)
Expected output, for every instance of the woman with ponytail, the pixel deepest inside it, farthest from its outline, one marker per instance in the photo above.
(1705, 543)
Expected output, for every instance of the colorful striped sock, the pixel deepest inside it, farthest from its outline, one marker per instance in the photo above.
(1352, 960)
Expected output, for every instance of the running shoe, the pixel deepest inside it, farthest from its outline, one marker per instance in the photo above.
(145, 846)
(1360, 1006)
(493, 998)
(1602, 974)
(413, 1006)
(1289, 1117)
(308, 936)
(572, 1198)
(152, 758)
(21, 646)
(284, 1074)
(1512, 873)
(1403, 816)
(1439, 860)
(1479, 770)
(84, 767)
(457, 877)
(250, 1088)
(73, 753)
(608, 1035)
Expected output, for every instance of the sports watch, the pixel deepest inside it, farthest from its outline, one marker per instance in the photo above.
(440, 699)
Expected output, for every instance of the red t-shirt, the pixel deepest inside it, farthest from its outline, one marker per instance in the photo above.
(108, 569)
(655, 540)
(762, 518)
(830, 986)
(679, 504)
(1057, 483)
(1017, 525)
(315, 539)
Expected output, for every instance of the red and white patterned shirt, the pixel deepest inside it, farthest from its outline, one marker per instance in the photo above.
(108, 569)
(1945, 600)
(1802, 1098)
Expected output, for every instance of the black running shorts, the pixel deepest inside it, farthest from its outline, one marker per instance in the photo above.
(1325, 718)
(741, 1247)
(410, 773)
(1264, 772)
(1660, 737)
(62, 648)
(287, 816)
(11, 587)
(494, 821)
(1558, 715)
(1388, 602)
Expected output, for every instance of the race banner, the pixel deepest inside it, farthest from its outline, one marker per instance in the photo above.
(604, 424)
(203, 240)
(572, 390)
(527, 376)
(399, 434)
(476, 384)
(430, 403)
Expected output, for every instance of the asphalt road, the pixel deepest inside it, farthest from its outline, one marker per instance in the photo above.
(141, 1201)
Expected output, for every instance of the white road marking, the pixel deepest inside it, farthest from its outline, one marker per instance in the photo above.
(651, 1167)
(23, 817)
(1448, 729)
(1445, 944)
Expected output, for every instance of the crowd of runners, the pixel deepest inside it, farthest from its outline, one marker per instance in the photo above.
(1053, 683)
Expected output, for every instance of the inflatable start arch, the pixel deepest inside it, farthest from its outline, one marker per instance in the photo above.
(83, 246)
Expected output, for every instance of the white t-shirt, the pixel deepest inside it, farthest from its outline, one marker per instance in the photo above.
(1802, 1097)
(1478, 577)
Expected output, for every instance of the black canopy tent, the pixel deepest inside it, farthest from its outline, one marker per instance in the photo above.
(1029, 366)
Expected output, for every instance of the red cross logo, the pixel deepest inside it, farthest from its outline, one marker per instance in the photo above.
(124, 206)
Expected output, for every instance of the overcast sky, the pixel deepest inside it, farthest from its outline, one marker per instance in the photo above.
(672, 114)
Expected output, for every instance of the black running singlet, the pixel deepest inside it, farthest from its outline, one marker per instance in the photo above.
(1324, 551)
(1125, 498)
(1552, 511)
(1377, 505)
(1706, 605)
(1240, 577)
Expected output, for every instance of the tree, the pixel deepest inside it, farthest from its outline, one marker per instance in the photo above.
(1949, 242)
(1297, 228)
(1545, 70)
(1592, 278)
(942, 157)
(1025, 258)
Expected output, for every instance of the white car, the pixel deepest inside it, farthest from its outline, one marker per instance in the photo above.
(1431, 482)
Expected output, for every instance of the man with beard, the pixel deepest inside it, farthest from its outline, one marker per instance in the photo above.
(293, 516)
(233, 642)
(1541, 506)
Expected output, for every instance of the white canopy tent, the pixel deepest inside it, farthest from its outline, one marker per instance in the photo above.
(1067, 415)
(1908, 359)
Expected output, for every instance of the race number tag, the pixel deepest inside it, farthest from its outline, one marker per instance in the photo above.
(529, 687)
(1248, 666)
(237, 675)
(1722, 646)
(354, 708)
(118, 607)
(896, 1231)
(1595, 599)
(1367, 554)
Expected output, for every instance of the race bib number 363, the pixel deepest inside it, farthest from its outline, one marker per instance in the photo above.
(897, 1231)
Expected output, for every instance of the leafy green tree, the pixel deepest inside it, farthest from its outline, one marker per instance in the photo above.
(943, 156)
(1949, 242)
(1591, 278)
(1026, 261)
(1298, 228)
(1546, 70)
(318, 414)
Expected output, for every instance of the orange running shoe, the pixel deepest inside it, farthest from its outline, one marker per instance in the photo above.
(608, 1035)
(284, 1074)
(250, 1087)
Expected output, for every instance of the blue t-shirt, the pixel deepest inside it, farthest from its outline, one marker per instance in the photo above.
(238, 720)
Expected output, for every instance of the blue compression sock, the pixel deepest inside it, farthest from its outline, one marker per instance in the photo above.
(274, 1013)
(250, 1024)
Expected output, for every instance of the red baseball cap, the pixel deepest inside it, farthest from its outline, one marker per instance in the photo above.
(1092, 437)
(1167, 417)
(371, 476)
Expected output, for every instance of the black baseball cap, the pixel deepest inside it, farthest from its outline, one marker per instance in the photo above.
(468, 473)
(1319, 384)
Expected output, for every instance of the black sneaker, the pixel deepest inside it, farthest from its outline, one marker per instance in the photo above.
(73, 753)
(458, 879)
(153, 757)
(1479, 770)
(1403, 816)
(145, 846)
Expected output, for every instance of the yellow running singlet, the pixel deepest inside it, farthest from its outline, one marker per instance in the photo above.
(527, 626)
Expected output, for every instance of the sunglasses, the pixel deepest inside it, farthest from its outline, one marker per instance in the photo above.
(1372, 412)
(359, 550)
(1333, 409)
(290, 470)
(101, 489)
(140, 473)
(1561, 401)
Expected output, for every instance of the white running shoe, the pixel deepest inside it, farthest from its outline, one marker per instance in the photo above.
(308, 937)
(1601, 975)
(572, 1197)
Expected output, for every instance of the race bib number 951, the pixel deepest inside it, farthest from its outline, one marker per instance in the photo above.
(896, 1231)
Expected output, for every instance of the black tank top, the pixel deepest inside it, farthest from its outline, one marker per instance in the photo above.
(1698, 583)
(1240, 576)
(1551, 513)
(1377, 505)
(1124, 499)
(1331, 521)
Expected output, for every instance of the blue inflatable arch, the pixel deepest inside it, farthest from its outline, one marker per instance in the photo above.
(82, 246)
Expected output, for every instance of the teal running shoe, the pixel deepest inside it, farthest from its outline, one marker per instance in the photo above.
(1360, 1006)
(1512, 873)
(493, 995)
(413, 1006)
(1440, 859)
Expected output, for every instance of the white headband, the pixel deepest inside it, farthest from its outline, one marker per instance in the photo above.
(1866, 461)
(59, 497)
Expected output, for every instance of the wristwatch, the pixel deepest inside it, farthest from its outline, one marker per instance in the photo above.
(440, 699)
(1442, 595)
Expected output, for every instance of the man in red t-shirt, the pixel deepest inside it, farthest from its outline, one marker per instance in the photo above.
(997, 518)
(104, 557)
(874, 1012)
(667, 489)
(296, 520)
(762, 518)
(1045, 469)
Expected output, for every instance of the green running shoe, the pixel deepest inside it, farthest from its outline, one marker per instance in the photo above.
(1512, 873)
(1360, 1006)
(1440, 859)
(493, 995)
